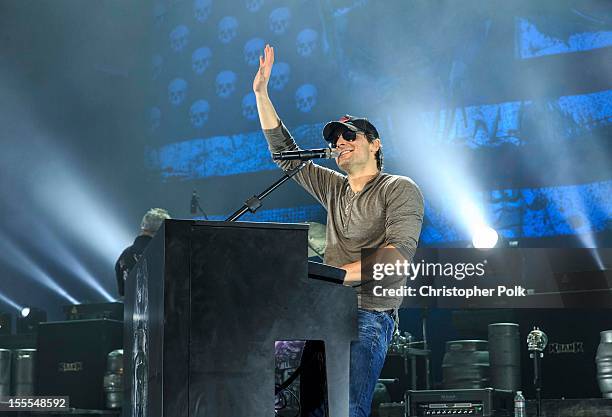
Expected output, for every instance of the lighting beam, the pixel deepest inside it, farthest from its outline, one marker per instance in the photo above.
(23, 263)
(10, 302)
(70, 262)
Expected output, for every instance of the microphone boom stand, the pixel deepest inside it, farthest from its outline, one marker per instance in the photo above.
(536, 343)
(201, 209)
(537, 379)
(254, 203)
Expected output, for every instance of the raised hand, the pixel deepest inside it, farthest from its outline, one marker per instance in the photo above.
(260, 83)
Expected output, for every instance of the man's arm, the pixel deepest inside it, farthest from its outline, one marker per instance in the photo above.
(404, 211)
(353, 270)
(316, 179)
(267, 114)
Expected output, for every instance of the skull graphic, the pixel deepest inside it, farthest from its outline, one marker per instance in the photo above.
(198, 113)
(154, 118)
(307, 42)
(226, 83)
(249, 107)
(306, 97)
(252, 50)
(201, 9)
(177, 90)
(254, 5)
(200, 60)
(157, 63)
(280, 75)
(159, 15)
(179, 37)
(228, 29)
(279, 20)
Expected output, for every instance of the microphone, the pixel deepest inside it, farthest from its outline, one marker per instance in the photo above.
(194, 202)
(305, 155)
(536, 340)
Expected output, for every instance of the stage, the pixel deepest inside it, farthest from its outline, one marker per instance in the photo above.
(311, 207)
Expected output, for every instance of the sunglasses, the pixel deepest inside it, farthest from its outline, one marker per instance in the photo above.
(347, 135)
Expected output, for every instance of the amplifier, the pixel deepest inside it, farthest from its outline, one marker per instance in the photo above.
(6, 323)
(486, 402)
(113, 311)
(72, 359)
(391, 410)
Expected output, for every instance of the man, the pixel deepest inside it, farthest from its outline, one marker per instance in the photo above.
(151, 222)
(366, 208)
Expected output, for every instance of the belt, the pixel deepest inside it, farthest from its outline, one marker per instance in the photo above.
(389, 312)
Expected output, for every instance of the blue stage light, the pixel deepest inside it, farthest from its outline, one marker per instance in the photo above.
(485, 238)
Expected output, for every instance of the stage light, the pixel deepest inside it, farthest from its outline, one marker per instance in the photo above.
(485, 237)
(29, 319)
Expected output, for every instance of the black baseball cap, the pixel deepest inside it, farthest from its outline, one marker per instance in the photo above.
(356, 124)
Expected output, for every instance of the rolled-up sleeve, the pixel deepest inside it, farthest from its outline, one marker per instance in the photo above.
(279, 140)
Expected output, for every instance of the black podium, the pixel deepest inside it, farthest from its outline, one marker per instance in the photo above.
(203, 309)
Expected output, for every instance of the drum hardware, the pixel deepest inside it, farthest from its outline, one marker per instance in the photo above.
(403, 345)
(409, 351)
(388, 380)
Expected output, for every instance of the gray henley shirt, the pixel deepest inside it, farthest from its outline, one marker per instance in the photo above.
(388, 211)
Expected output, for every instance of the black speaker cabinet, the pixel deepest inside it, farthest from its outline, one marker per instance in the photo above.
(6, 323)
(72, 359)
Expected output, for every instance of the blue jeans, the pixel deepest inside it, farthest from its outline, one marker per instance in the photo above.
(367, 359)
(375, 330)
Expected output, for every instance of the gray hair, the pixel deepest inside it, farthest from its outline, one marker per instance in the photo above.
(153, 219)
